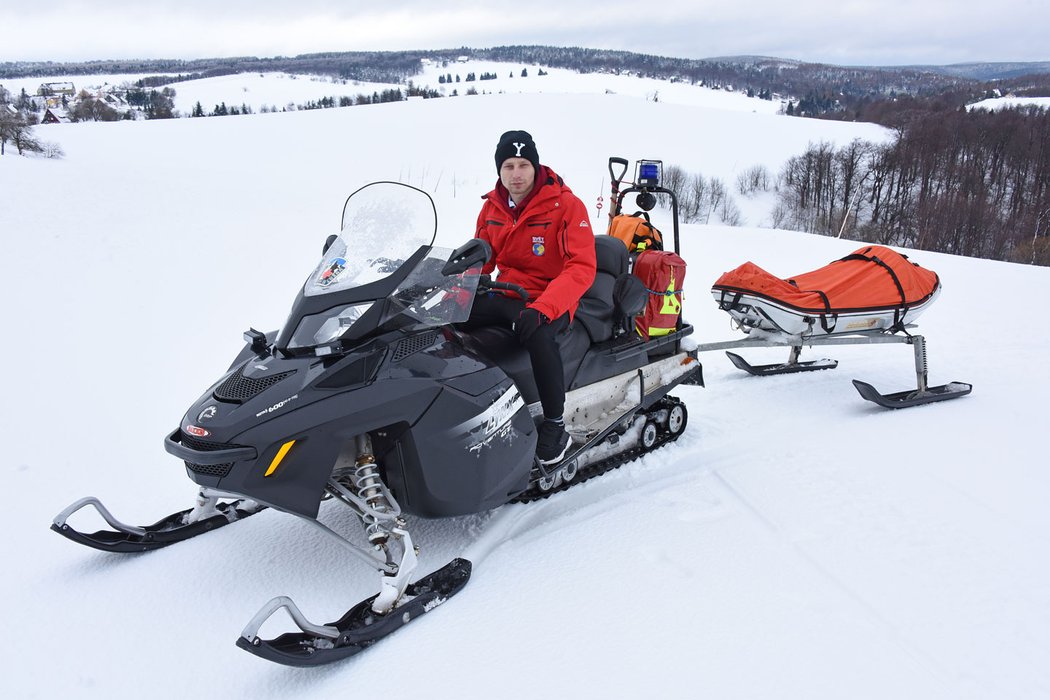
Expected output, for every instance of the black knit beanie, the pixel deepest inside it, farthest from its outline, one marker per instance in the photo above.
(517, 144)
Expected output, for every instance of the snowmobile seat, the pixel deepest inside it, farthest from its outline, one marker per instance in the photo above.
(610, 303)
(501, 345)
(614, 295)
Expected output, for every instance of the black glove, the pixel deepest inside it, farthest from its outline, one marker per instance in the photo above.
(529, 321)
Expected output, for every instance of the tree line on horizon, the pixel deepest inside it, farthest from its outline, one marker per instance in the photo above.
(952, 180)
(966, 182)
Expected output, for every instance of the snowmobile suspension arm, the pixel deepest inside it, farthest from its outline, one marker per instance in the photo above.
(387, 567)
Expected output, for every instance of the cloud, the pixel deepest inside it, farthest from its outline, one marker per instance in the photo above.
(847, 32)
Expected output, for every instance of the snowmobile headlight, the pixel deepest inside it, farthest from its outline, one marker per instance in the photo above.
(339, 322)
(322, 328)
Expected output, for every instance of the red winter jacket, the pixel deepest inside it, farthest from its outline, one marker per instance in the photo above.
(545, 246)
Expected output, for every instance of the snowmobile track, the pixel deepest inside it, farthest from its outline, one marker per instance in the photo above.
(598, 468)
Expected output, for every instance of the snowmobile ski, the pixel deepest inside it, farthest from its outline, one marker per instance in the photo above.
(913, 397)
(208, 515)
(355, 631)
(782, 367)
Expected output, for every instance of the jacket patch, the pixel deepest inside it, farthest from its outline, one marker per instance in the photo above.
(538, 245)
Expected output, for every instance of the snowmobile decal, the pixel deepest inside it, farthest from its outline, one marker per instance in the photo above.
(332, 272)
(277, 406)
(480, 429)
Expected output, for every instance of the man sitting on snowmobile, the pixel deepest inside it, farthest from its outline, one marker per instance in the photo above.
(541, 240)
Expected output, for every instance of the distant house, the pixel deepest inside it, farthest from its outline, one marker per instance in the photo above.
(113, 99)
(55, 115)
(52, 89)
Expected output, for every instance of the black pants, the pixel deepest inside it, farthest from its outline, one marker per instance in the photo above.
(498, 310)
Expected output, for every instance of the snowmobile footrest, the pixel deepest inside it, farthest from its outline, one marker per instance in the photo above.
(359, 628)
(905, 399)
(780, 368)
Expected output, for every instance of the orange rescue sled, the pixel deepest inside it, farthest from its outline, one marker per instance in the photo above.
(870, 296)
(872, 289)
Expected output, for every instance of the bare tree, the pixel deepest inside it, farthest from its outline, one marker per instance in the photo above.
(754, 179)
(15, 128)
(91, 109)
(717, 193)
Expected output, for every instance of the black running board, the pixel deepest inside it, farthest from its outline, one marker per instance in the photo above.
(780, 368)
(360, 628)
(167, 531)
(906, 399)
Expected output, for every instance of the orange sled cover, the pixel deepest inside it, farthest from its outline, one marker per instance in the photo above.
(872, 288)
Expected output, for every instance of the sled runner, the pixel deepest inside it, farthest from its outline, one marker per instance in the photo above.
(871, 296)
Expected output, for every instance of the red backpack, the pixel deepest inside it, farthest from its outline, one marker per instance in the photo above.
(663, 274)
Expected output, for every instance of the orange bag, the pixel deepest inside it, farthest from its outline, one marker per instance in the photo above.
(636, 232)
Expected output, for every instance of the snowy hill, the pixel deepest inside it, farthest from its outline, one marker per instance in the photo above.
(997, 103)
(796, 542)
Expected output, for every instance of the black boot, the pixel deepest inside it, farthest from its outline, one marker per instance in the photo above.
(553, 442)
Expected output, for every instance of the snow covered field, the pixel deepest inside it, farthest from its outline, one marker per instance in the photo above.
(797, 542)
(997, 103)
(277, 91)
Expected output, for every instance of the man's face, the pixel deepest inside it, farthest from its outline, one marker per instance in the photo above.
(518, 176)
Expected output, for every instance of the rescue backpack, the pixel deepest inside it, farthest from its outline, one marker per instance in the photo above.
(663, 274)
(636, 232)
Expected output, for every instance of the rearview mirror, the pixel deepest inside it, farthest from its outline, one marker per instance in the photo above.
(474, 252)
(328, 243)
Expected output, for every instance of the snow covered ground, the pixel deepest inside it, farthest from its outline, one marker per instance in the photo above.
(796, 542)
(277, 91)
(997, 103)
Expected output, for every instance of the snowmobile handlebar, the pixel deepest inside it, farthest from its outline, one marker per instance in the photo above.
(487, 283)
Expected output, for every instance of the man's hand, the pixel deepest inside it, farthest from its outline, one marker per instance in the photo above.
(529, 321)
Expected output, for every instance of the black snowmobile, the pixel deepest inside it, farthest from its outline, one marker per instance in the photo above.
(370, 394)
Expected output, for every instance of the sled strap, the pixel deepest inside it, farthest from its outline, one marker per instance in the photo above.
(828, 327)
(731, 303)
(898, 313)
(825, 323)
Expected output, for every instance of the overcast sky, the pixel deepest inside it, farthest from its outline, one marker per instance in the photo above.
(846, 32)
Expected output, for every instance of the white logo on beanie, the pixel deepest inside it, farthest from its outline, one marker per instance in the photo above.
(519, 146)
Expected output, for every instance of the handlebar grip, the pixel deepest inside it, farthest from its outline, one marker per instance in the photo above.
(520, 291)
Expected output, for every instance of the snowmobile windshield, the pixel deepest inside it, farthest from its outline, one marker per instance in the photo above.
(385, 226)
(384, 223)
